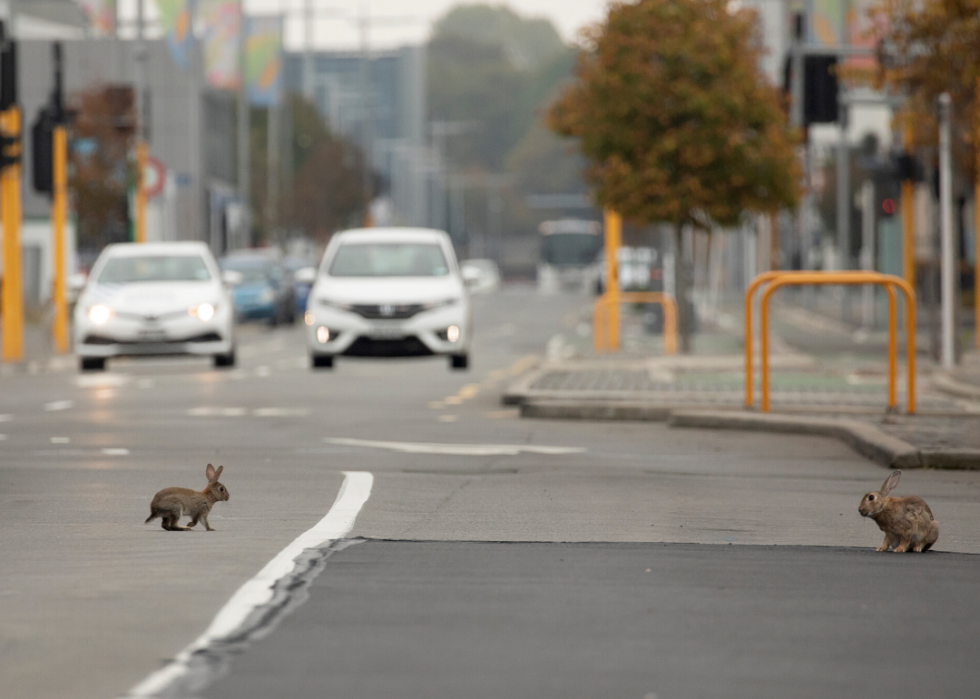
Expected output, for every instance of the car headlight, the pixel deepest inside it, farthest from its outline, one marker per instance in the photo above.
(205, 311)
(309, 318)
(100, 313)
(439, 304)
(334, 304)
(267, 296)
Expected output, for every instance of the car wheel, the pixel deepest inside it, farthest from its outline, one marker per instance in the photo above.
(321, 361)
(92, 364)
(459, 361)
(225, 360)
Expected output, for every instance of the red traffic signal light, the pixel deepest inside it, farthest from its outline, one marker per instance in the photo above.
(888, 206)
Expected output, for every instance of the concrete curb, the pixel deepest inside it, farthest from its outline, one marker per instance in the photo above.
(863, 438)
(946, 383)
(516, 392)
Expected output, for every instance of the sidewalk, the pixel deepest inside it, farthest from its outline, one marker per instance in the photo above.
(838, 389)
(39, 353)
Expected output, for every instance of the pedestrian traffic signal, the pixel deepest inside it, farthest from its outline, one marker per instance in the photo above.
(9, 151)
(42, 152)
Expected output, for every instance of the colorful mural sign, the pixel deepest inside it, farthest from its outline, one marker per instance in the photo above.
(175, 19)
(263, 60)
(219, 22)
(101, 15)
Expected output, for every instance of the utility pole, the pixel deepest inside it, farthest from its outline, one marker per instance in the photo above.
(948, 280)
(12, 295)
(367, 113)
(139, 229)
(976, 225)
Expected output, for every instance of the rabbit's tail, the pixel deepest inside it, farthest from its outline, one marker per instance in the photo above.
(153, 516)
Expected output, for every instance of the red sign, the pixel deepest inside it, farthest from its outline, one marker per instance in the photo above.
(154, 177)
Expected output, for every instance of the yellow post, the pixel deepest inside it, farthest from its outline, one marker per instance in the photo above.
(976, 223)
(908, 218)
(139, 234)
(614, 234)
(59, 212)
(12, 302)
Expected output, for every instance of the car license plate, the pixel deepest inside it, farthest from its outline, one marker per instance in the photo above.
(151, 336)
(383, 333)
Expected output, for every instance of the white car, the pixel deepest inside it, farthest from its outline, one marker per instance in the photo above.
(389, 292)
(154, 299)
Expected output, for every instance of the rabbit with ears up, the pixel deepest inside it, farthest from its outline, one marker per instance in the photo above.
(907, 521)
(170, 504)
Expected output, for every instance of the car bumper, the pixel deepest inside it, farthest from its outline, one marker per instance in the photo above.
(129, 337)
(421, 335)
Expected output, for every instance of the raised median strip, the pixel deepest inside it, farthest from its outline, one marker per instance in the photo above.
(863, 437)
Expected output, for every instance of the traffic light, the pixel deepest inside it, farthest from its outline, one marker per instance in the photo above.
(42, 152)
(819, 87)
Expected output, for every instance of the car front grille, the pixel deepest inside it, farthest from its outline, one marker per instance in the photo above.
(403, 347)
(383, 311)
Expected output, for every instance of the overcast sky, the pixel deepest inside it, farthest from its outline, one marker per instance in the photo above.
(411, 20)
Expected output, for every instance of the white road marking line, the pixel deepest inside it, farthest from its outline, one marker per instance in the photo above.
(281, 412)
(108, 380)
(61, 440)
(216, 412)
(447, 418)
(337, 523)
(262, 371)
(456, 449)
(6, 417)
(3, 437)
(145, 383)
(58, 405)
(115, 451)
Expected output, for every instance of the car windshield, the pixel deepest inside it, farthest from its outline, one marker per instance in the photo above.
(154, 268)
(253, 271)
(574, 249)
(389, 260)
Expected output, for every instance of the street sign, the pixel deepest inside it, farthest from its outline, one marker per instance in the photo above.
(154, 176)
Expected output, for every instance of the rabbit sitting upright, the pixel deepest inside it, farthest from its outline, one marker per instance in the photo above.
(170, 504)
(907, 521)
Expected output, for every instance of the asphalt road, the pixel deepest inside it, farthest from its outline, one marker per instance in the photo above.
(92, 601)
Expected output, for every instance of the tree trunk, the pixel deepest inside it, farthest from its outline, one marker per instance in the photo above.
(682, 283)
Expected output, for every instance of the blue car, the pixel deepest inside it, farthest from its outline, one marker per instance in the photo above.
(261, 289)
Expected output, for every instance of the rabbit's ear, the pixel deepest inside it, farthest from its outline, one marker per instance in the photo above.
(890, 482)
(217, 474)
(210, 472)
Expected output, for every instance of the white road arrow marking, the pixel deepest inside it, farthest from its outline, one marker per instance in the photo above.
(456, 449)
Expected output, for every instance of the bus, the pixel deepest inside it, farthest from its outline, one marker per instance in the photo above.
(569, 259)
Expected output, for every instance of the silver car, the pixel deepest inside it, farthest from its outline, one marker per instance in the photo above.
(389, 292)
(154, 299)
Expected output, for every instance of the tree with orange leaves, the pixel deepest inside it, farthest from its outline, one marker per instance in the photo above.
(926, 48)
(677, 121)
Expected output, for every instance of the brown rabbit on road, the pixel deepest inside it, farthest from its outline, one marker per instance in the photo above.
(170, 504)
(907, 521)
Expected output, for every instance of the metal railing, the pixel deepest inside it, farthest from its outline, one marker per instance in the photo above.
(776, 280)
(605, 336)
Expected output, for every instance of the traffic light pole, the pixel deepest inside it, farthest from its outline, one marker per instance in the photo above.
(139, 228)
(59, 212)
(12, 294)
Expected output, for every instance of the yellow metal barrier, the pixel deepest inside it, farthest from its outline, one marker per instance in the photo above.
(602, 331)
(778, 280)
(766, 277)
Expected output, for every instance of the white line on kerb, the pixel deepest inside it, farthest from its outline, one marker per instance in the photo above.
(338, 522)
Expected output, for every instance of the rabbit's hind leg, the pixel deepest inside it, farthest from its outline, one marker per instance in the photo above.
(903, 545)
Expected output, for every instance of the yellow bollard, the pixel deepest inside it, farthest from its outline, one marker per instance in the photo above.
(613, 239)
(139, 234)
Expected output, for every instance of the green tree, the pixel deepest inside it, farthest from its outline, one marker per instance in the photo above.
(677, 121)
(925, 49)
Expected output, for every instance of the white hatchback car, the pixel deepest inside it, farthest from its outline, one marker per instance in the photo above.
(154, 299)
(389, 292)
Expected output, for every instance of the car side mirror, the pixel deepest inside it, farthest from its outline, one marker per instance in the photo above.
(232, 277)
